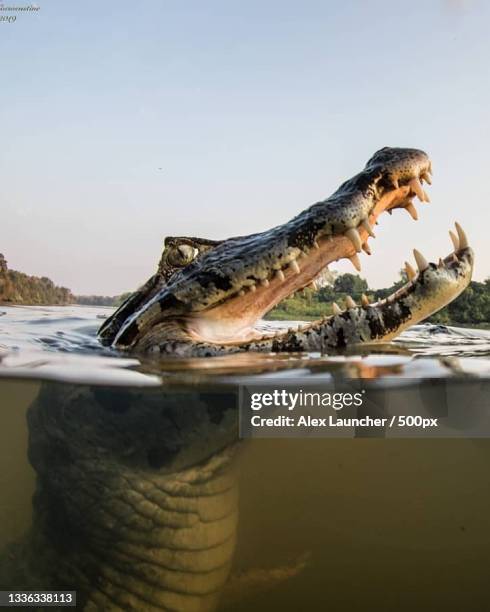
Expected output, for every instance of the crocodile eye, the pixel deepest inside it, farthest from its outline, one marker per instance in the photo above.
(181, 255)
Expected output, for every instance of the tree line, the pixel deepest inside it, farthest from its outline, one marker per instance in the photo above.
(102, 300)
(472, 307)
(19, 288)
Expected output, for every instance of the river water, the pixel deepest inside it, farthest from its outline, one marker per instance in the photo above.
(338, 524)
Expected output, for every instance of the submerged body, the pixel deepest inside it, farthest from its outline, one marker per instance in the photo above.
(210, 303)
(135, 506)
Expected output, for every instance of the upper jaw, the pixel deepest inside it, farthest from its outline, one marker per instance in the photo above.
(243, 278)
(336, 228)
(390, 180)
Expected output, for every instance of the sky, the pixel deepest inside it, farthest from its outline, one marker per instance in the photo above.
(125, 122)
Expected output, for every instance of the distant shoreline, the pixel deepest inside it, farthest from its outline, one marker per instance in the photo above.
(282, 315)
(50, 305)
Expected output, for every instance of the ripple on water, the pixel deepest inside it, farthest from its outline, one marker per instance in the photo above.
(60, 343)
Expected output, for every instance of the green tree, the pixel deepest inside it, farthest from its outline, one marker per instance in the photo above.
(350, 284)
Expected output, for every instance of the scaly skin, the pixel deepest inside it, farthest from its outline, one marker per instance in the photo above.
(136, 499)
(210, 305)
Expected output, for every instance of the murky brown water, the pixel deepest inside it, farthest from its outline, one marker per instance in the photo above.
(378, 524)
(389, 524)
(16, 475)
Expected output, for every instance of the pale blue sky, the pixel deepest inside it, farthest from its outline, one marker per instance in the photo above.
(254, 110)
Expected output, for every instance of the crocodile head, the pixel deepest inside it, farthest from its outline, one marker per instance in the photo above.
(212, 302)
(177, 253)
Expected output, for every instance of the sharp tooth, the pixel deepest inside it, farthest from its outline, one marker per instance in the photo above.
(417, 188)
(355, 262)
(313, 286)
(280, 275)
(353, 235)
(410, 271)
(335, 309)
(426, 197)
(440, 263)
(364, 300)
(294, 266)
(264, 282)
(368, 228)
(303, 254)
(420, 260)
(395, 183)
(315, 244)
(350, 302)
(426, 177)
(252, 288)
(454, 240)
(463, 240)
(241, 293)
(455, 258)
(366, 249)
(412, 211)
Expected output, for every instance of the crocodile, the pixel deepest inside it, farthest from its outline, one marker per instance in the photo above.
(207, 296)
(136, 501)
